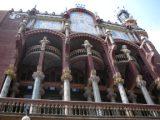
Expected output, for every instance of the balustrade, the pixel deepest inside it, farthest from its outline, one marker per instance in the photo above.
(48, 48)
(77, 109)
(79, 52)
(122, 58)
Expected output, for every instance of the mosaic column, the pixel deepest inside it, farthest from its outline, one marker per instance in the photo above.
(10, 75)
(66, 74)
(38, 75)
(140, 82)
(119, 82)
(66, 78)
(93, 79)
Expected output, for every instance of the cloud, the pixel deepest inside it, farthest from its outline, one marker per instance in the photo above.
(154, 38)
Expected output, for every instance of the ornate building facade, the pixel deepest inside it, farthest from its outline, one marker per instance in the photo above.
(76, 66)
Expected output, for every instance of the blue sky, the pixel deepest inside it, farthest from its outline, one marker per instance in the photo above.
(146, 12)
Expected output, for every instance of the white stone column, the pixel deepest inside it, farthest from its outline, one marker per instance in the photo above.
(67, 90)
(119, 82)
(38, 77)
(142, 85)
(94, 79)
(66, 78)
(10, 75)
(5, 88)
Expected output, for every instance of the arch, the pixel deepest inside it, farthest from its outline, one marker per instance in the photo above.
(53, 32)
(91, 38)
(132, 45)
(36, 35)
(82, 10)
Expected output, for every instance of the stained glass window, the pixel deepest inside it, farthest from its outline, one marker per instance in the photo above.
(42, 24)
(120, 35)
(82, 22)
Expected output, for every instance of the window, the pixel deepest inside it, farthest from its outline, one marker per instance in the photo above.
(120, 35)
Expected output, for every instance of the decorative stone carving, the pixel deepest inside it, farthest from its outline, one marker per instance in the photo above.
(88, 47)
(157, 82)
(126, 51)
(39, 75)
(44, 42)
(67, 25)
(117, 78)
(140, 81)
(66, 74)
(22, 26)
(93, 76)
(10, 72)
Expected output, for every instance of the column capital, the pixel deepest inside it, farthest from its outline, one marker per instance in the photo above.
(126, 51)
(87, 46)
(117, 78)
(23, 23)
(38, 74)
(108, 32)
(66, 74)
(157, 82)
(93, 76)
(140, 81)
(43, 42)
(10, 72)
(144, 38)
(67, 25)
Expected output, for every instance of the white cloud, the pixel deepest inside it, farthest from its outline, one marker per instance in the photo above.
(106, 9)
(154, 38)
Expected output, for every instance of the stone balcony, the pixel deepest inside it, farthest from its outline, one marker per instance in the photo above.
(52, 56)
(12, 108)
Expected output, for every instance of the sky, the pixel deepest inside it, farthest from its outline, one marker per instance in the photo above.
(146, 12)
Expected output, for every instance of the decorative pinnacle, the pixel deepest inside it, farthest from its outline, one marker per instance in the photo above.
(144, 38)
(108, 32)
(87, 46)
(44, 42)
(157, 82)
(126, 51)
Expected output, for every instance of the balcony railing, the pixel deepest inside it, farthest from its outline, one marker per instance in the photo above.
(83, 52)
(37, 48)
(78, 109)
(122, 58)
